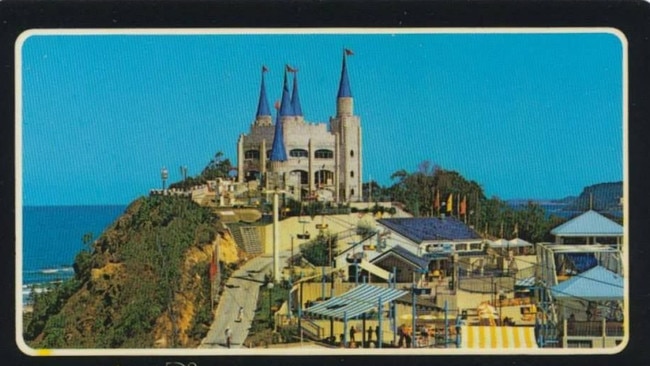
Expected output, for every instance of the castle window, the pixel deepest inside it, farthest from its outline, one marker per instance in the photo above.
(351, 153)
(298, 153)
(268, 153)
(324, 154)
(252, 154)
(351, 173)
(352, 192)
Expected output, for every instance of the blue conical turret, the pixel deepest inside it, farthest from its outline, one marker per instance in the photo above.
(278, 152)
(285, 106)
(344, 85)
(263, 105)
(295, 98)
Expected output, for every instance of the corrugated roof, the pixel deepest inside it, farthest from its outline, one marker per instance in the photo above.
(590, 223)
(419, 229)
(596, 284)
(406, 254)
(355, 302)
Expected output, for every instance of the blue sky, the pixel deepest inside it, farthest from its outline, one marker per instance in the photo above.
(525, 115)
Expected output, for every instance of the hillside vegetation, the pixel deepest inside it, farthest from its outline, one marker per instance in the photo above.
(143, 283)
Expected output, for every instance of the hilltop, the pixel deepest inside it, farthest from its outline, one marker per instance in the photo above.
(144, 282)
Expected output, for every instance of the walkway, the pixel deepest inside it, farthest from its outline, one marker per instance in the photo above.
(242, 289)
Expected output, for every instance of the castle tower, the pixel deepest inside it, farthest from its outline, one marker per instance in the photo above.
(347, 128)
(278, 151)
(263, 116)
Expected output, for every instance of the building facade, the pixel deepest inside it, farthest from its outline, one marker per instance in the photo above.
(304, 159)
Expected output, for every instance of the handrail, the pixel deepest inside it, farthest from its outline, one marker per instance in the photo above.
(312, 328)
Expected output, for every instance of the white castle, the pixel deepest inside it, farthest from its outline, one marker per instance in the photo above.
(306, 160)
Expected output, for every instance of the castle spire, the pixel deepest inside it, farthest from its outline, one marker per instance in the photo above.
(263, 105)
(344, 85)
(285, 106)
(295, 98)
(278, 152)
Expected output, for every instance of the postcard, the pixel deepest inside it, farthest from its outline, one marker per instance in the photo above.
(321, 191)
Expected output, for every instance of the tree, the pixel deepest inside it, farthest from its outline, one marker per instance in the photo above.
(218, 167)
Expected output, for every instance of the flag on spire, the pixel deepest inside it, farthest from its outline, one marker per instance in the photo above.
(450, 203)
(348, 52)
(291, 69)
(264, 68)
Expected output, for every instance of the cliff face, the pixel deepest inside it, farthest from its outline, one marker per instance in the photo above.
(606, 196)
(146, 283)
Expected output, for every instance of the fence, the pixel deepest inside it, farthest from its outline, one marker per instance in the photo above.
(486, 284)
(592, 334)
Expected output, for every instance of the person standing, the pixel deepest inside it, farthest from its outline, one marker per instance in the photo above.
(228, 336)
(240, 316)
(353, 331)
(369, 331)
(377, 334)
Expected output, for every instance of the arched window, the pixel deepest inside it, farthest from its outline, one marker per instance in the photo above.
(268, 153)
(352, 192)
(324, 154)
(252, 154)
(351, 153)
(351, 173)
(298, 153)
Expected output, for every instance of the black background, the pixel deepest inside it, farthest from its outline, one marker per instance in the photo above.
(630, 17)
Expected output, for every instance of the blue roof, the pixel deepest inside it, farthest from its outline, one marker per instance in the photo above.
(295, 98)
(419, 229)
(278, 152)
(263, 105)
(590, 223)
(404, 253)
(344, 86)
(597, 284)
(285, 106)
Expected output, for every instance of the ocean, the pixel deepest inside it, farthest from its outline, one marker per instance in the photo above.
(52, 237)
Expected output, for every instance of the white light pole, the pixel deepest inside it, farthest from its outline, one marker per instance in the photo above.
(276, 239)
(164, 174)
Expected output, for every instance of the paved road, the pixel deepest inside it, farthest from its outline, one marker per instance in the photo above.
(242, 289)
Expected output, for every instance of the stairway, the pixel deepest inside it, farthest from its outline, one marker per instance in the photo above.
(252, 241)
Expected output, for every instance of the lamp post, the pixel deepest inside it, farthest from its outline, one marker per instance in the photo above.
(270, 287)
(164, 174)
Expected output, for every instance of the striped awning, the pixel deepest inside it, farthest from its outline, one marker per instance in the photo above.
(493, 337)
(355, 302)
(525, 282)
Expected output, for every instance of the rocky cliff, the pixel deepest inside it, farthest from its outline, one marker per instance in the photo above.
(144, 284)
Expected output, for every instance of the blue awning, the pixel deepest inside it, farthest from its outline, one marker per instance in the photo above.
(355, 302)
(596, 284)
